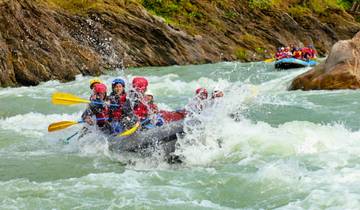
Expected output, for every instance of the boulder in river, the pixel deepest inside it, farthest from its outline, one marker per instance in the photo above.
(341, 69)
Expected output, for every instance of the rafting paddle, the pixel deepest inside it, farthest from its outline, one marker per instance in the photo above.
(60, 98)
(65, 124)
(269, 60)
(62, 125)
(130, 131)
(67, 99)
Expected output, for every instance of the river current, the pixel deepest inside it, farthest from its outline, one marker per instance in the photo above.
(284, 149)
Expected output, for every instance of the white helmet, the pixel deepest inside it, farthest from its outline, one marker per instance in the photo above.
(148, 92)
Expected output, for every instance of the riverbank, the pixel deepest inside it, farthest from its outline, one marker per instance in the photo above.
(55, 39)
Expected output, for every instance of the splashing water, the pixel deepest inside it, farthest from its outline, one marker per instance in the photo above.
(258, 147)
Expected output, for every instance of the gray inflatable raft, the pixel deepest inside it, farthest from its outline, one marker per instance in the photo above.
(163, 137)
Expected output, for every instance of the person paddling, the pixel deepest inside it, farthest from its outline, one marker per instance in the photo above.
(93, 82)
(154, 115)
(137, 97)
(199, 102)
(98, 109)
(121, 116)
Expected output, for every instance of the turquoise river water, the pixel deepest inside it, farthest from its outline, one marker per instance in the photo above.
(286, 150)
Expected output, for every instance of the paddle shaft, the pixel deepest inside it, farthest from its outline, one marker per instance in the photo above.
(102, 103)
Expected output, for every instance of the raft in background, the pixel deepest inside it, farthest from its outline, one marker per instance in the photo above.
(289, 63)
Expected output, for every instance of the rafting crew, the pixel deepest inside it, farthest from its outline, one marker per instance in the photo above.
(305, 53)
(118, 112)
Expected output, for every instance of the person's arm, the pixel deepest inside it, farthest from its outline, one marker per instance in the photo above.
(87, 116)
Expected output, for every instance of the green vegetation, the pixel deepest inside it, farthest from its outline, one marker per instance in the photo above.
(300, 7)
(298, 11)
(182, 13)
(81, 7)
(346, 4)
(252, 41)
(240, 53)
(261, 4)
(320, 6)
(170, 9)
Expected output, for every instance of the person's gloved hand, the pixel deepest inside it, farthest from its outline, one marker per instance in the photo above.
(89, 120)
(159, 121)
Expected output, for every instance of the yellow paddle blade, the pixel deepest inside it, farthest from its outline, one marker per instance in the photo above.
(269, 60)
(61, 125)
(130, 131)
(67, 99)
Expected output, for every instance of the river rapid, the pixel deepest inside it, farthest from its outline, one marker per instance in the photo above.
(259, 147)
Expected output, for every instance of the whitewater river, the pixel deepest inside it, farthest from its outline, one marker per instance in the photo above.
(285, 150)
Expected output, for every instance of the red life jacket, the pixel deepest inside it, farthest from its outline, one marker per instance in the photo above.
(116, 114)
(141, 110)
(278, 55)
(153, 108)
(297, 54)
(312, 53)
(103, 114)
(170, 116)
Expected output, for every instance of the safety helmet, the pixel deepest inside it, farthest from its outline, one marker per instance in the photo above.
(100, 88)
(94, 81)
(140, 83)
(201, 91)
(216, 89)
(118, 81)
(148, 92)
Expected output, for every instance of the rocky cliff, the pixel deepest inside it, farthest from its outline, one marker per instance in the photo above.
(341, 70)
(42, 40)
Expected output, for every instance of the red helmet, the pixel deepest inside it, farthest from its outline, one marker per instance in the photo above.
(140, 83)
(100, 88)
(201, 91)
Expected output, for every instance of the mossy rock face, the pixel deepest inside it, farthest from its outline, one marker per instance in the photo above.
(42, 40)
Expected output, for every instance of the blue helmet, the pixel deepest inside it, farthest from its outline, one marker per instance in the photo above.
(118, 81)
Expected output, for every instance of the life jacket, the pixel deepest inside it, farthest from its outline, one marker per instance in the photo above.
(283, 55)
(153, 108)
(278, 55)
(102, 116)
(312, 52)
(297, 54)
(116, 113)
(141, 110)
(306, 52)
(173, 116)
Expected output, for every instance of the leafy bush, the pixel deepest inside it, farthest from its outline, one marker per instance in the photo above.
(240, 53)
(173, 9)
(251, 40)
(298, 11)
(260, 4)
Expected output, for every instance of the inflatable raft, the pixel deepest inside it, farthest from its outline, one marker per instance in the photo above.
(141, 141)
(289, 63)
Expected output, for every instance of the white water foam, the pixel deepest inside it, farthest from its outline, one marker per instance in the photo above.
(34, 123)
